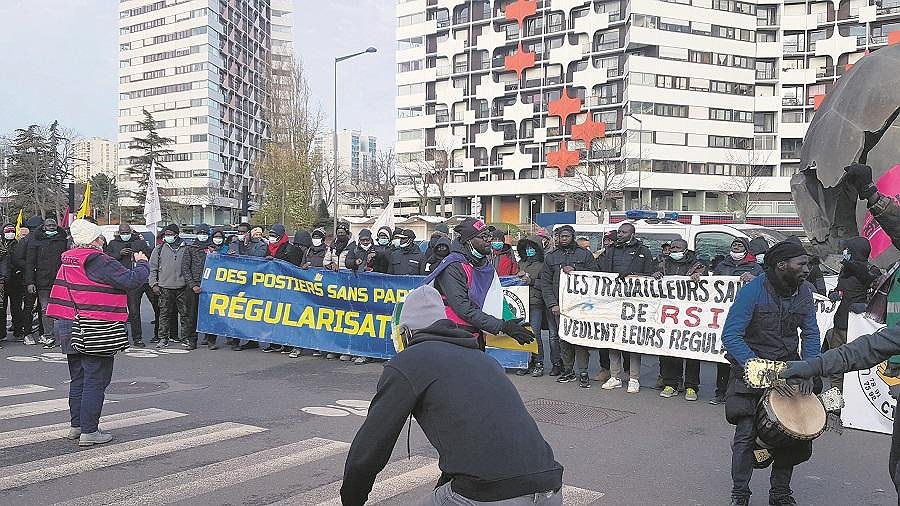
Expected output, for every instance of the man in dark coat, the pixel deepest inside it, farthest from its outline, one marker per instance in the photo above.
(438, 375)
(27, 232)
(10, 282)
(42, 262)
(315, 255)
(123, 247)
(406, 259)
(192, 269)
(531, 264)
(439, 252)
(362, 253)
(764, 322)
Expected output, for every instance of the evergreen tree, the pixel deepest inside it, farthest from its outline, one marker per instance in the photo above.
(154, 151)
(35, 172)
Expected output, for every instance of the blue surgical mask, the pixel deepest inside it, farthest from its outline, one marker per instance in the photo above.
(383, 241)
(125, 237)
(395, 243)
(677, 255)
(530, 252)
(477, 254)
(50, 233)
(169, 239)
(497, 245)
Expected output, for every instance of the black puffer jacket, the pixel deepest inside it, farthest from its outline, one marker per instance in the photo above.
(193, 261)
(407, 261)
(315, 255)
(731, 267)
(533, 266)
(44, 258)
(574, 256)
(625, 259)
(855, 278)
(687, 266)
(432, 259)
(135, 244)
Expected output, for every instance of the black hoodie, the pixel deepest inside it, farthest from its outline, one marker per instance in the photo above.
(453, 284)
(432, 259)
(855, 278)
(489, 446)
(687, 266)
(533, 266)
(44, 257)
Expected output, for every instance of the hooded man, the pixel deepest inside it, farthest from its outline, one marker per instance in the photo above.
(439, 252)
(567, 257)
(336, 256)
(315, 255)
(764, 322)
(302, 242)
(680, 261)
(502, 257)
(440, 230)
(531, 263)
(167, 281)
(758, 247)
(10, 283)
(192, 270)
(42, 262)
(26, 234)
(406, 259)
(279, 245)
(854, 281)
(362, 254)
(123, 247)
(463, 280)
(438, 375)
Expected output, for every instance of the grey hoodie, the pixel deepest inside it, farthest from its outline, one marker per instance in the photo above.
(165, 265)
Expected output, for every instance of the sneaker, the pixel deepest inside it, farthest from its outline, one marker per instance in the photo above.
(330, 356)
(294, 354)
(612, 383)
(317, 353)
(345, 358)
(29, 340)
(285, 350)
(45, 340)
(74, 433)
(782, 501)
(668, 392)
(155, 339)
(139, 344)
(566, 377)
(361, 360)
(162, 344)
(555, 370)
(719, 399)
(94, 438)
(690, 394)
(523, 372)
(602, 376)
(49, 345)
(249, 345)
(189, 346)
(584, 381)
(538, 371)
(634, 386)
(272, 348)
(740, 501)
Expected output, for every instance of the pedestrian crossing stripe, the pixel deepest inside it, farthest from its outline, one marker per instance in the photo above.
(22, 390)
(36, 408)
(33, 435)
(89, 460)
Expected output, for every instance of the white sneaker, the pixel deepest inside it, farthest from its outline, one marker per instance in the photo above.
(612, 383)
(29, 340)
(74, 433)
(94, 438)
(633, 386)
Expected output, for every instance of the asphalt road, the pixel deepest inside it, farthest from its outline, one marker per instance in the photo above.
(248, 428)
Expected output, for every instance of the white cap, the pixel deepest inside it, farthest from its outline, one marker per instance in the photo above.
(84, 232)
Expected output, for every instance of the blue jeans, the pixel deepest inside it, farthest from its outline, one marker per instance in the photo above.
(90, 377)
(444, 495)
(742, 464)
(555, 351)
(536, 319)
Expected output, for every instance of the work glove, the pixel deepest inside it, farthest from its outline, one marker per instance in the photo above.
(799, 369)
(517, 331)
(784, 389)
(835, 296)
(859, 176)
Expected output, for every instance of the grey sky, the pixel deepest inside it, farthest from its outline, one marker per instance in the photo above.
(60, 62)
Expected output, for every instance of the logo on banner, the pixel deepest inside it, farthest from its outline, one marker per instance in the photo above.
(513, 307)
(876, 385)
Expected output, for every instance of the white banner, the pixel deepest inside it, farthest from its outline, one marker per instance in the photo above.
(869, 405)
(674, 316)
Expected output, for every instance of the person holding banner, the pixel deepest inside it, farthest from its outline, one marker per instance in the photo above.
(192, 270)
(315, 255)
(464, 280)
(243, 243)
(494, 454)
(336, 256)
(763, 322)
(531, 263)
(406, 258)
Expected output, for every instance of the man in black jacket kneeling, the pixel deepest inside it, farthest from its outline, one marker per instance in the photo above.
(494, 453)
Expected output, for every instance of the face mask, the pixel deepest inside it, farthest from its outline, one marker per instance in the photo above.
(737, 256)
(395, 243)
(241, 237)
(846, 255)
(218, 240)
(125, 237)
(530, 252)
(317, 242)
(383, 241)
(169, 239)
(9, 236)
(442, 252)
(273, 239)
(202, 237)
(50, 233)
(759, 258)
(477, 254)
(404, 243)
(365, 247)
(677, 256)
(497, 245)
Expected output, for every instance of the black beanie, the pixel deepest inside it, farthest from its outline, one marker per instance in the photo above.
(171, 227)
(785, 250)
(469, 228)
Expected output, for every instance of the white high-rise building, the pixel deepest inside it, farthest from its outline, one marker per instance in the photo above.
(200, 67)
(94, 156)
(684, 104)
(357, 152)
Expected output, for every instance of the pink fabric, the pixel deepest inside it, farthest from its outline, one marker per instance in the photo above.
(888, 185)
(74, 288)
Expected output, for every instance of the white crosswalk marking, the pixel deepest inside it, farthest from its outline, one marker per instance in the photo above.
(33, 435)
(88, 460)
(36, 408)
(22, 390)
(195, 482)
(398, 477)
(574, 496)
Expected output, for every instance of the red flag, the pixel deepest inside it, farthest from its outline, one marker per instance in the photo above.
(64, 221)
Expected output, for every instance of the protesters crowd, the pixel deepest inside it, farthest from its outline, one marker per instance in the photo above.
(30, 258)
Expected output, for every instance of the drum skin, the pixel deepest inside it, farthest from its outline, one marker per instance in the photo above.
(785, 421)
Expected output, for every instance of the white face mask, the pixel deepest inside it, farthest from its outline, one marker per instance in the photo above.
(760, 257)
(202, 237)
(273, 239)
(241, 237)
(365, 247)
(317, 242)
(737, 256)
(125, 237)
(9, 236)
(677, 255)
(218, 240)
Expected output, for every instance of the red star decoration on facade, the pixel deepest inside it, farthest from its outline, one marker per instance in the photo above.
(588, 131)
(519, 61)
(562, 159)
(817, 101)
(521, 9)
(893, 37)
(564, 106)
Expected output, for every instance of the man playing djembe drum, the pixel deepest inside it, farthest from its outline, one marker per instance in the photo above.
(763, 322)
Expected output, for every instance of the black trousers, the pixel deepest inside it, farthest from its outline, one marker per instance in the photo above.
(172, 302)
(134, 311)
(742, 464)
(673, 369)
(193, 316)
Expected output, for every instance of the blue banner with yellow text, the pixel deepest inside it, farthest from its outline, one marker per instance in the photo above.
(338, 312)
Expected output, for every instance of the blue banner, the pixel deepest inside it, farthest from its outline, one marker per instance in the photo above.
(338, 312)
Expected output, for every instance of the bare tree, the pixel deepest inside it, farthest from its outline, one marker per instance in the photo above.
(430, 176)
(751, 169)
(416, 176)
(602, 179)
(375, 186)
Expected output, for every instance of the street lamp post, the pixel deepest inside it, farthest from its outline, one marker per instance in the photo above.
(334, 139)
(640, 157)
(531, 214)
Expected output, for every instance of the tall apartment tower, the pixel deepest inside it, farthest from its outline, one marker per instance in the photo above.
(685, 104)
(94, 156)
(356, 154)
(201, 68)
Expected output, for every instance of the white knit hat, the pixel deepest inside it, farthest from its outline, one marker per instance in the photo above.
(84, 232)
(422, 308)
